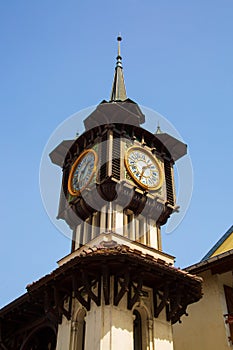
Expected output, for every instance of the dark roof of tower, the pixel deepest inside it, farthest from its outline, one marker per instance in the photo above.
(123, 112)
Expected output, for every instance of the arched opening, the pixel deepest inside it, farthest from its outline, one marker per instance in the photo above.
(80, 330)
(137, 331)
(42, 339)
(142, 327)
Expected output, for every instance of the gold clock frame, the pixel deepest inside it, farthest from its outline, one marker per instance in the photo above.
(153, 159)
(74, 166)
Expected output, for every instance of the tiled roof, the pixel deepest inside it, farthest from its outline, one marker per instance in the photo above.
(114, 252)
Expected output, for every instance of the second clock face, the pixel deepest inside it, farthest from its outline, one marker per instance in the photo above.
(143, 168)
(82, 172)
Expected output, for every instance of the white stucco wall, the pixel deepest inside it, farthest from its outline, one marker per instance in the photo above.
(163, 338)
(63, 336)
(109, 327)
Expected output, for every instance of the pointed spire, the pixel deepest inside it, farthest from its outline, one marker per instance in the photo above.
(158, 131)
(118, 87)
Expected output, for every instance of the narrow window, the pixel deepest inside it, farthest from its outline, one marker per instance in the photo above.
(81, 330)
(83, 334)
(137, 331)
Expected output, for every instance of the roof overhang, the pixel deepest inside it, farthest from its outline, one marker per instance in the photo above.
(176, 148)
(217, 264)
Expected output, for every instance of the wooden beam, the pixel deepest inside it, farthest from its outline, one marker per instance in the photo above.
(106, 283)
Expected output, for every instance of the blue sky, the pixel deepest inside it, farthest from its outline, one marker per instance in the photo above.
(58, 57)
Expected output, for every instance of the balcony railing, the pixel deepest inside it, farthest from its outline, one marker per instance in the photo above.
(228, 318)
(229, 321)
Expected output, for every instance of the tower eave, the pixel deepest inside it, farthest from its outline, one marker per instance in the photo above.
(59, 153)
(176, 148)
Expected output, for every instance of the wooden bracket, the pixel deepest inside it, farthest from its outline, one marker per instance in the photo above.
(178, 303)
(78, 293)
(59, 299)
(88, 287)
(164, 297)
(124, 284)
(83, 291)
(175, 305)
(49, 309)
(137, 291)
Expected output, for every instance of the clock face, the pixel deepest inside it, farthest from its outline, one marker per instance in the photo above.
(143, 168)
(82, 172)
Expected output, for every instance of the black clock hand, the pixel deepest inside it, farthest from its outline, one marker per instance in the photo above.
(86, 167)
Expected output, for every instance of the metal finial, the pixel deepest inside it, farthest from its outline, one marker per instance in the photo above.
(119, 38)
(119, 63)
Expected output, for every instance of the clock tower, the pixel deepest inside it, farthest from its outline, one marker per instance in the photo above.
(118, 177)
(117, 191)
